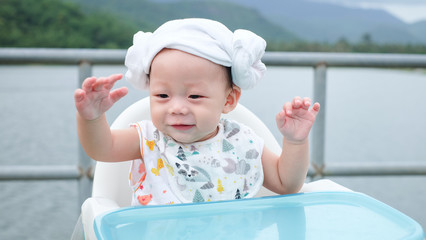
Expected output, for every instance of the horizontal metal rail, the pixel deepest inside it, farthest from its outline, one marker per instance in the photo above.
(364, 60)
(85, 58)
(58, 172)
(72, 172)
(306, 59)
(369, 169)
(60, 56)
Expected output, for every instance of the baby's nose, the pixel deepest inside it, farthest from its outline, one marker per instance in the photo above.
(179, 107)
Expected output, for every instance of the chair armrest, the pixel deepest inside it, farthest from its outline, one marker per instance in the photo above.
(324, 185)
(91, 208)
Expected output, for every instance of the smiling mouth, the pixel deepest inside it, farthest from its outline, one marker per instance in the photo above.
(182, 127)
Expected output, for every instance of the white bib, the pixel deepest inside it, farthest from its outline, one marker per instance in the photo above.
(227, 166)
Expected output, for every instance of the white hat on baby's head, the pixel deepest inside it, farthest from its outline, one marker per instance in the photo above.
(241, 50)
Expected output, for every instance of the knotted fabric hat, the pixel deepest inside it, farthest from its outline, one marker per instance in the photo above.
(241, 50)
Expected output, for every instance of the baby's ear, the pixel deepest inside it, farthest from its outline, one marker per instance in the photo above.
(232, 99)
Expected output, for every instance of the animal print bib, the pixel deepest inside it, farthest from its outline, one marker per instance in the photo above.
(227, 166)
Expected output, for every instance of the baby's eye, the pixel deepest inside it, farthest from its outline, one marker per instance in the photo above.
(162, 95)
(195, 96)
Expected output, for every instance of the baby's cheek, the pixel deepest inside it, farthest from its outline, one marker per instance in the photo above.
(157, 117)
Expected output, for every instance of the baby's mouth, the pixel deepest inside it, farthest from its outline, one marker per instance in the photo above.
(182, 127)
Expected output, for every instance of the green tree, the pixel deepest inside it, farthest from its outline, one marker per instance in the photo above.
(53, 23)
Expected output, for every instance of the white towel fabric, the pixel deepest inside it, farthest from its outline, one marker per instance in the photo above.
(241, 50)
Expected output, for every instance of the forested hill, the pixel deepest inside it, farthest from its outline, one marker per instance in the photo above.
(328, 22)
(112, 23)
(150, 14)
(53, 23)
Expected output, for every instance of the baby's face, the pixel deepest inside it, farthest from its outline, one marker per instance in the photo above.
(188, 95)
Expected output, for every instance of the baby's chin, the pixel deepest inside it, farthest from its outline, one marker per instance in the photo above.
(188, 138)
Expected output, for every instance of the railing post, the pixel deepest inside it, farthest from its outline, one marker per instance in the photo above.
(85, 163)
(318, 131)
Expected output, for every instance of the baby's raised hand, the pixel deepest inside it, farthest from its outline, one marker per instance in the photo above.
(96, 97)
(296, 119)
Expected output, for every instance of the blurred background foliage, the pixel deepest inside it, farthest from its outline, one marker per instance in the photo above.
(112, 23)
(56, 24)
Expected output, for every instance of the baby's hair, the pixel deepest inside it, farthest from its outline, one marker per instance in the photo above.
(229, 77)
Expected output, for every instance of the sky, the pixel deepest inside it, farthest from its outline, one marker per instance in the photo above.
(408, 11)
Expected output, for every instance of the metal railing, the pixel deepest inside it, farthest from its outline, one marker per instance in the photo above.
(85, 58)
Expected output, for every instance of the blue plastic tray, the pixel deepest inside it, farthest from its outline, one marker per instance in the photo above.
(331, 215)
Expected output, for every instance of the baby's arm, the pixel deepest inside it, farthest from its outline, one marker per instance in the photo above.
(99, 142)
(286, 173)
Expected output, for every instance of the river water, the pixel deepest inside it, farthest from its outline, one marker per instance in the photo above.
(372, 115)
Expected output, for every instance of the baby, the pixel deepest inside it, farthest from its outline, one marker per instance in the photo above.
(194, 70)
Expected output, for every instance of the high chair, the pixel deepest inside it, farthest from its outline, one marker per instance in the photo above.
(110, 184)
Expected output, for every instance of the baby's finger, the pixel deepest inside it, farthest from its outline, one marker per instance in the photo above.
(297, 102)
(79, 95)
(116, 77)
(306, 103)
(288, 108)
(88, 84)
(111, 80)
(117, 94)
(280, 118)
(99, 84)
(315, 109)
